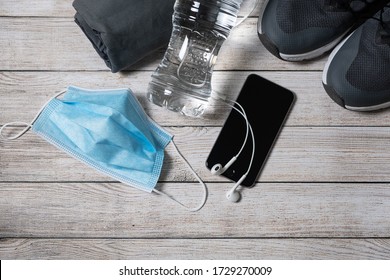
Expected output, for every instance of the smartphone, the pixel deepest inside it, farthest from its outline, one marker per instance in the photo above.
(267, 106)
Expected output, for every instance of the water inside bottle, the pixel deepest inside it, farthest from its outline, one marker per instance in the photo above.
(182, 81)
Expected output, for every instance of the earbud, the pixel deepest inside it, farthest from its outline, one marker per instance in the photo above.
(233, 195)
(218, 169)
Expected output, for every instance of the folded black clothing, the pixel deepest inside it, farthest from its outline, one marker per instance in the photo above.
(125, 31)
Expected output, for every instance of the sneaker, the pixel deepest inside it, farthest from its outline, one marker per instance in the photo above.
(296, 30)
(357, 73)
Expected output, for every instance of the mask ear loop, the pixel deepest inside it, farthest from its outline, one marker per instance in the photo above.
(205, 193)
(28, 126)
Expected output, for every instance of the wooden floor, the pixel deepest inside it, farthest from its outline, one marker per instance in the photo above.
(323, 194)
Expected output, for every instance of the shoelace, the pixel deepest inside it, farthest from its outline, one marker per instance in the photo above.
(360, 6)
(355, 6)
(384, 31)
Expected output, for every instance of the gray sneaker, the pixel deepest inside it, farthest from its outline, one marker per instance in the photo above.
(357, 73)
(296, 30)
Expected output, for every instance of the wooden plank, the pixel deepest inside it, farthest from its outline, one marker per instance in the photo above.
(269, 210)
(59, 44)
(301, 154)
(36, 8)
(171, 249)
(64, 8)
(313, 107)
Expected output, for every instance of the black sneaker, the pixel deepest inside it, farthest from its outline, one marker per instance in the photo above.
(297, 30)
(357, 74)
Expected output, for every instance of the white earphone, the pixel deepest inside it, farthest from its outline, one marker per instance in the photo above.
(218, 169)
(233, 195)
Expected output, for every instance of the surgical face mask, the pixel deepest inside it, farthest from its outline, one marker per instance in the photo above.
(109, 131)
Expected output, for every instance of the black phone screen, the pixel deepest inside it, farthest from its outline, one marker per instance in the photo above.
(266, 105)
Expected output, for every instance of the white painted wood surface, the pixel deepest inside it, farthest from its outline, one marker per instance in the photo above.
(323, 194)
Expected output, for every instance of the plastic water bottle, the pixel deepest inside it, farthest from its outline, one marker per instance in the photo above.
(182, 81)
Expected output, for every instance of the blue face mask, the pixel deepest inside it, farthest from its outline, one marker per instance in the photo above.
(109, 131)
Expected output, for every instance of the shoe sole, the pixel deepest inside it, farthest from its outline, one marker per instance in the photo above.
(271, 47)
(335, 96)
(329, 90)
(369, 108)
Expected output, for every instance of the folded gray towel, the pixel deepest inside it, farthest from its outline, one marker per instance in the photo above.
(125, 31)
